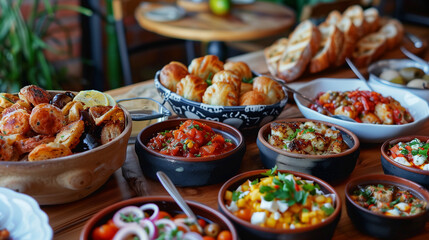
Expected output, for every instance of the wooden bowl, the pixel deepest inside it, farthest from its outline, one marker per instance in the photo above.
(70, 178)
(381, 226)
(323, 230)
(192, 171)
(165, 204)
(331, 167)
(393, 168)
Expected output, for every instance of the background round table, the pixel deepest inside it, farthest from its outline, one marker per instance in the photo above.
(244, 23)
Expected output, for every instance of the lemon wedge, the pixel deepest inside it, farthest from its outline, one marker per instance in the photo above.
(92, 98)
(112, 101)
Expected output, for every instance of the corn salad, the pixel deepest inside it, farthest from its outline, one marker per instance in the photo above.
(281, 201)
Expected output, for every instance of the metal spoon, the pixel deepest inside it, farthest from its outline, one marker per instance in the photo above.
(172, 190)
(413, 57)
(414, 39)
(357, 73)
(342, 117)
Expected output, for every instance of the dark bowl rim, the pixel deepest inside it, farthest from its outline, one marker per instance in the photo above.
(240, 140)
(227, 108)
(90, 223)
(249, 174)
(74, 156)
(390, 179)
(261, 138)
(401, 139)
(371, 73)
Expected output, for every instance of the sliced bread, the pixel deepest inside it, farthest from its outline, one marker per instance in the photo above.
(330, 47)
(369, 48)
(273, 54)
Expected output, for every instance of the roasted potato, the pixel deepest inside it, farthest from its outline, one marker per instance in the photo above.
(69, 135)
(20, 104)
(49, 151)
(16, 122)
(47, 119)
(34, 95)
(110, 131)
(7, 152)
(7, 99)
(26, 145)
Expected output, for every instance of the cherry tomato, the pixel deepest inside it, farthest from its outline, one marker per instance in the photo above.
(163, 214)
(180, 215)
(224, 235)
(202, 222)
(105, 232)
(208, 238)
(245, 214)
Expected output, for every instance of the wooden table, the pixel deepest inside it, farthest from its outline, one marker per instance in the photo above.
(67, 220)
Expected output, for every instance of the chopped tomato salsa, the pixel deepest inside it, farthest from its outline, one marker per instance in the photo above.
(191, 139)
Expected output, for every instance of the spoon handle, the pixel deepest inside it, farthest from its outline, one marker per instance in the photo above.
(172, 190)
(412, 56)
(357, 73)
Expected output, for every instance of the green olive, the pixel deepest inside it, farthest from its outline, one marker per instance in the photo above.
(426, 77)
(410, 73)
(398, 80)
(212, 229)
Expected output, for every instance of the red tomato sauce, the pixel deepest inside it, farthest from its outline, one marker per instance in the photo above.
(191, 139)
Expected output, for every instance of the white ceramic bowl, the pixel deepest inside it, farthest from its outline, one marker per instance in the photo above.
(376, 68)
(22, 217)
(366, 132)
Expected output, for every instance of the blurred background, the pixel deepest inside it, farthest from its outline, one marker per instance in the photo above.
(73, 44)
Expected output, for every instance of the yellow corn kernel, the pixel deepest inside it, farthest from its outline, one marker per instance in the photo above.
(253, 187)
(288, 220)
(271, 222)
(329, 200)
(245, 187)
(320, 199)
(190, 144)
(295, 208)
(266, 181)
(298, 225)
(241, 203)
(305, 217)
(285, 226)
(320, 213)
(255, 195)
(315, 220)
(312, 214)
(228, 195)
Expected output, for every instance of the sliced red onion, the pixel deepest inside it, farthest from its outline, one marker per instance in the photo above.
(151, 206)
(119, 222)
(131, 229)
(167, 222)
(184, 226)
(150, 226)
(186, 222)
(192, 236)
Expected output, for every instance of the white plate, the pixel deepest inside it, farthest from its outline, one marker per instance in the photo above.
(165, 14)
(21, 215)
(367, 132)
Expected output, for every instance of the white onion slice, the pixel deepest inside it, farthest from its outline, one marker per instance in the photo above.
(131, 229)
(192, 236)
(167, 222)
(151, 227)
(151, 206)
(119, 222)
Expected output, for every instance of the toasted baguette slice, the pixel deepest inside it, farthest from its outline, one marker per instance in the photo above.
(393, 31)
(350, 34)
(369, 48)
(330, 47)
(273, 54)
(303, 43)
(373, 20)
(355, 13)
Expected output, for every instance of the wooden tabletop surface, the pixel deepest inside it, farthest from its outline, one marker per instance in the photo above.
(67, 220)
(245, 22)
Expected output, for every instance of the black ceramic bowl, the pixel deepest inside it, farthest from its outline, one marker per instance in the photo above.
(241, 117)
(331, 167)
(165, 204)
(393, 168)
(246, 230)
(192, 171)
(381, 226)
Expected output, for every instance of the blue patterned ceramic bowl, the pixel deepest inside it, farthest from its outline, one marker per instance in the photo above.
(240, 117)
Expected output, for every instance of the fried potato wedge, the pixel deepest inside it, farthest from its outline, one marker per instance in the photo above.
(70, 135)
(72, 111)
(110, 131)
(49, 151)
(102, 114)
(27, 145)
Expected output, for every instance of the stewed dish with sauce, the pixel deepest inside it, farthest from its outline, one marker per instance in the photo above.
(363, 106)
(388, 200)
(191, 139)
(35, 125)
(306, 138)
